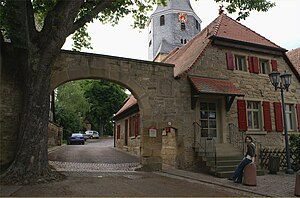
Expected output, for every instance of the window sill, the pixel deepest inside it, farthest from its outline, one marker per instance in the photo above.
(135, 137)
(256, 133)
(291, 132)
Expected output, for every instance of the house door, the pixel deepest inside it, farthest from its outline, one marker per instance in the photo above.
(209, 121)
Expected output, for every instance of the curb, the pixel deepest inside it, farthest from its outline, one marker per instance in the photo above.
(215, 183)
(55, 148)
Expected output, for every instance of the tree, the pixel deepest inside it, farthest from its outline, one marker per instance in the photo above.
(70, 107)
(105, 99)
(37, 30)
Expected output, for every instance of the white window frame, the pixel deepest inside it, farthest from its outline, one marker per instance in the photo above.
(251, 112)
(240, 63)
(264, 65)
(290, 117)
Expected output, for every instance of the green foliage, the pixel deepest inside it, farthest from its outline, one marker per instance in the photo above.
(69, 120)
(105, 99)
(294, 141)
(244, 7)
(88, 100)
(81, 39)
(41, 9)
(70, 107)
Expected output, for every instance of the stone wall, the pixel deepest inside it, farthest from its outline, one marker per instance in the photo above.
(55, 134)
(133, 143)
(169, 146)
(256, 87)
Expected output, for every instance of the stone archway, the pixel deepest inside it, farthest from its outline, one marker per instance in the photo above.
(150, 83)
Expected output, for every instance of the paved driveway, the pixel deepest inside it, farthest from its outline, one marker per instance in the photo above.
(98, 169)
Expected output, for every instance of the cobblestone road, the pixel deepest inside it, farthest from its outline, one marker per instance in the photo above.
(93, 167)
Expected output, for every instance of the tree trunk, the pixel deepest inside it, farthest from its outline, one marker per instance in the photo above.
(30, 164)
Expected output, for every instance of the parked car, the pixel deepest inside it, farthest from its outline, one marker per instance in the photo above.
(95, 135)
(92, 134)
(76, 138)
(85, 136)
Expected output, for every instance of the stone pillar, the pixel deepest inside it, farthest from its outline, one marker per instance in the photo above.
(151, 141)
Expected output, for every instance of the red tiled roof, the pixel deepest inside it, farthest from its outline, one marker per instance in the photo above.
(231, 29)
(294, 56)
(222, 27)
(129, 103)
(214, 86)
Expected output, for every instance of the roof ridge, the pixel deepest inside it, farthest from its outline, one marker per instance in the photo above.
(218, 19)
(252, 31)
(170, 54)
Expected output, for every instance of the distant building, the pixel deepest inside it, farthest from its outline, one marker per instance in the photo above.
(294, 56)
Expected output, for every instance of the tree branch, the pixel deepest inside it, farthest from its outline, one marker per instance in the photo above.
(58, 22)
(92, 14)
(31, 22)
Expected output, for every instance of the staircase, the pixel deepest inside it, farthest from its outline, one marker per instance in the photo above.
(226, 160)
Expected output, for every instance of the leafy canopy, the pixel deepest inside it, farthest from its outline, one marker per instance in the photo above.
(105, 100)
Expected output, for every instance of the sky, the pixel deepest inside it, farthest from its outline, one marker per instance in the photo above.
(281, 25)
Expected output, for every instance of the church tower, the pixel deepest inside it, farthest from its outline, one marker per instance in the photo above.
(170, 27)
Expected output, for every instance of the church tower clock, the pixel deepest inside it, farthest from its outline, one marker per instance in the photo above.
(170, 27)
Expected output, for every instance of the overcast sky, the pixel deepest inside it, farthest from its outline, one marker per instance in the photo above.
(281, 25)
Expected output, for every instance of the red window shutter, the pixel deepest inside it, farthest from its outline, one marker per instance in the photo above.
(267, 116)
(274, 65)
(130, 128)
(230, 61)
(255, 65)
(250, 64)
(136, 127)
(242, 119)
(298, 115)
(278, 116)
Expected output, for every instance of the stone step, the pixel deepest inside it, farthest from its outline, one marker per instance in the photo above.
(224, 158)
(224, 162)
(223, 168)
(227, 174)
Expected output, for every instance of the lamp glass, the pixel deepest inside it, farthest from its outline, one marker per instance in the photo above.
(286, 80)
(274, 78)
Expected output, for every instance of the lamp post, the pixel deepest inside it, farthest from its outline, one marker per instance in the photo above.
(283, 82)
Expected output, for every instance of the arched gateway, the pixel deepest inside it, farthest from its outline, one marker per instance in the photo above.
(150, 83)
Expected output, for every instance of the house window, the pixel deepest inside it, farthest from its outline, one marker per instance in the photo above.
(290, 117)
(182, 26)
(183, 41)
(208, 119)
(254, 115)
(240, 63)
(264, 66)
(150, 43)
(162, 20)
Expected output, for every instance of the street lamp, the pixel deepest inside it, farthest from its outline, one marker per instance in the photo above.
(283, 82)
